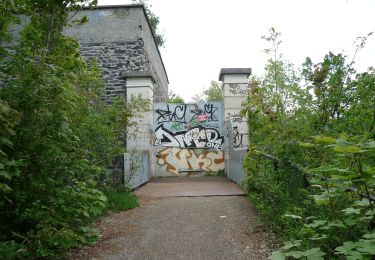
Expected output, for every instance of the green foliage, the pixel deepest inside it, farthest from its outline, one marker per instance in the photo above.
(120, 200)
(213, 93)
(57, 137)
(174, 98)
(154, 23)
(311, 161)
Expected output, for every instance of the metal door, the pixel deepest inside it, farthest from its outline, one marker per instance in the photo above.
(188, 139)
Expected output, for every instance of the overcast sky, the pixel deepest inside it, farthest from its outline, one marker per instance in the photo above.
(206, 35)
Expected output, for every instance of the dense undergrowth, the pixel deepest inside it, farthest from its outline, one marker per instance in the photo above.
(120, 199)
(58, 138)
(311, 162)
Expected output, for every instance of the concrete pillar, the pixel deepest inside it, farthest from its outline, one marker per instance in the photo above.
(235, 86)
(139, 138)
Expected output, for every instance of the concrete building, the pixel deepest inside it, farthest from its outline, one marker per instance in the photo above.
(120, 39)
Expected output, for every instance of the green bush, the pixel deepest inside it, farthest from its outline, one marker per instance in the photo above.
(311, 164)
(57, 137)
(120, 200)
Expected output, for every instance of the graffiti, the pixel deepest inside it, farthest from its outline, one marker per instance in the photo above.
(172, 113)
(239, 133)
(235, 89)
(202, 118)
(177, 126)
(208, 113)
(188, 159)
(233, 117)
(238, 137)
(195, 137)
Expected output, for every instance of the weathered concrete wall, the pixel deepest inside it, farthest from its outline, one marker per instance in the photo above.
(235, 84)
(156, 66)
(112, 24)
(119, 39)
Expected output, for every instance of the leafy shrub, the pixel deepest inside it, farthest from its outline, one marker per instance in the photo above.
(311, 161)
(57, 137)
(120, 200)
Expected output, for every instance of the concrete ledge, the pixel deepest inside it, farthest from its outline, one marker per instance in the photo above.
(241, 71)
(138, 74)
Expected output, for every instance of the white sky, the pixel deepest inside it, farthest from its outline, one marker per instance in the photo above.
(206, 35)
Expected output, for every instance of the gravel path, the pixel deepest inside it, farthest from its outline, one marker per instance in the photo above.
(215, 227)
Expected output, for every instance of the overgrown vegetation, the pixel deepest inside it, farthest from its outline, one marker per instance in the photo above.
(213, 93)
(174, 98)
(154, 22)
(120, 199)
(57, 139)
(311, 163)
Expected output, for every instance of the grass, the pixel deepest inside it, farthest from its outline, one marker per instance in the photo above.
(120, 200)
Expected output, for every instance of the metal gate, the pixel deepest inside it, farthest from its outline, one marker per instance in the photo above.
(136, 169)
(236, 151)
(188, 139)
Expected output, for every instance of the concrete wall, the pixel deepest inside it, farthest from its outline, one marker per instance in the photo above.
(235, 85)
(156, 65)
(119, 39)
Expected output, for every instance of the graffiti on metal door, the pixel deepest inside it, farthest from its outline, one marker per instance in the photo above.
(174, 159)
(189, 125)
(188, 138)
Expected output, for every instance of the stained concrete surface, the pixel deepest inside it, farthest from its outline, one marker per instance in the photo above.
(189, 187)
(170, 227)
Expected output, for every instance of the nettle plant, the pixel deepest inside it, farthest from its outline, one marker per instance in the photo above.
(342, 184)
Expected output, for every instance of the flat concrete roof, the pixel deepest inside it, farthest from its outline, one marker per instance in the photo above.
(223, 71)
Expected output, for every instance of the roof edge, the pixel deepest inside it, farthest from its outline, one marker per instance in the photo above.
(242, 71)
(148, 22)
(138, 74)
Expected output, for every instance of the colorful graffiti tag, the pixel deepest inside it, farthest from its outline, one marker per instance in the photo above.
(197, 137)
(176, 159)
(189, 125)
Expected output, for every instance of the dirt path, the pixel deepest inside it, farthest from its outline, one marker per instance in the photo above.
(209, 227)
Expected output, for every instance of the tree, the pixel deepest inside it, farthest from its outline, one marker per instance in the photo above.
(58, 137)
(212, 94)
(174, 98)
(310, 166)
(154, 22)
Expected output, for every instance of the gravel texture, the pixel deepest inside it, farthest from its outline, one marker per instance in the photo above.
(215, 227)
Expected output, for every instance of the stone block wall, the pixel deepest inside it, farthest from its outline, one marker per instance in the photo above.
(120, 39)
(114, 58)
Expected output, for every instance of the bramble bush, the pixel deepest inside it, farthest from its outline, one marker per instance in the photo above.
(311, 162)
(58, 138)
